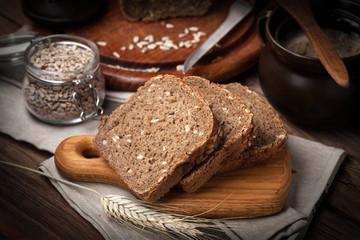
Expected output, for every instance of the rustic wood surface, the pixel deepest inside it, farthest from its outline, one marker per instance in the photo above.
(31, 208)
(236, 52)
(255, 191)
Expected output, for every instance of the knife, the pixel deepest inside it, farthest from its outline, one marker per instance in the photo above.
(238, 11)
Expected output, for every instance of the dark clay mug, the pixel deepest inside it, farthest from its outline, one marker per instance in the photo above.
(298, 86)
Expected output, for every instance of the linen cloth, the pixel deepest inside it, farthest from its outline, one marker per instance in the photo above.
(315, 164)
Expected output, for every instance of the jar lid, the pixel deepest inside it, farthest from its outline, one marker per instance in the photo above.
(12, 47)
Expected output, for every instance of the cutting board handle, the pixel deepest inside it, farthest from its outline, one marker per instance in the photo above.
(78, 159)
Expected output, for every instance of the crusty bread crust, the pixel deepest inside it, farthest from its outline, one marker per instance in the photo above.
(149, 11)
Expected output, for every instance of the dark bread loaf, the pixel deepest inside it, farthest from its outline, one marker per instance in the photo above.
(154, 10)
(269, 135)
(235, 120)
(155, 137)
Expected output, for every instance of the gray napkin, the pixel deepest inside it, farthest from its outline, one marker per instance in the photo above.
(315, 165)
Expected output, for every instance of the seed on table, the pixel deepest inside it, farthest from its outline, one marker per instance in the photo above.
(169, 25)
(101, 43)
(152, 46)
(116, 54)
(136, 39)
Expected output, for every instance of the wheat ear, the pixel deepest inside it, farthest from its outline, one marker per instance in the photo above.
(137, 214)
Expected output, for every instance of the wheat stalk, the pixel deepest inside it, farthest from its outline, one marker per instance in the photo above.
(137, 214)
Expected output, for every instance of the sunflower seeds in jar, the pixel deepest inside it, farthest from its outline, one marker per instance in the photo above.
(63, 82)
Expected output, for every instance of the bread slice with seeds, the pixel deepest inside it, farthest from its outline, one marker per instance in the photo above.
(155, 137)
(269, 135)
(235, 120)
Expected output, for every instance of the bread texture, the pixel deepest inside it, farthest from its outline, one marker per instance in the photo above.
(157, 136)
(269, 132)
(154, 10)
(235, 120)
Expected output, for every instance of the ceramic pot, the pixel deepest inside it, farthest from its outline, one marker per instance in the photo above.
(299, 87)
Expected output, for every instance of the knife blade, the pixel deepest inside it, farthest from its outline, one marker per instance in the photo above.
(238, 11)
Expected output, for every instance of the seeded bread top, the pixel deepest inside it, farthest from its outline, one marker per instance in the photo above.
(233, 116)
(235, 120)
(268, 127)
(269, 132)
(152, 139)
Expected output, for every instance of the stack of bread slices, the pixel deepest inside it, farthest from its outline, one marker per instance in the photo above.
(181, 132)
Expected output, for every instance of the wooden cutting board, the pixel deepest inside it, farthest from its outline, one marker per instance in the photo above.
(256, 191)
(236, 53)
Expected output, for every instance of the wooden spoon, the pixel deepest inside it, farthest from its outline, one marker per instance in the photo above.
(328, 56)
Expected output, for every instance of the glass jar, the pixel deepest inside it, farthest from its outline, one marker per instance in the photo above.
(63, 83)
(12, 48)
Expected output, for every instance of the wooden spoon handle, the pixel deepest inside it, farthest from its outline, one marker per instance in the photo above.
(78, 159)
(324, 49)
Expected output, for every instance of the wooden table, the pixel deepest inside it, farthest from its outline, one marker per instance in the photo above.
(31, 208)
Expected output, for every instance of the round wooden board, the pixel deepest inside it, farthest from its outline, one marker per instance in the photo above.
(251, 192)
(236, 53)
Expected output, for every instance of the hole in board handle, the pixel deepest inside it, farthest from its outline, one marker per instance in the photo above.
(90, 153)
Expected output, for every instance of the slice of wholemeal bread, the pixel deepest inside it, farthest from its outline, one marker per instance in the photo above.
(269, 135)
(236, 123)
(155, 137)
